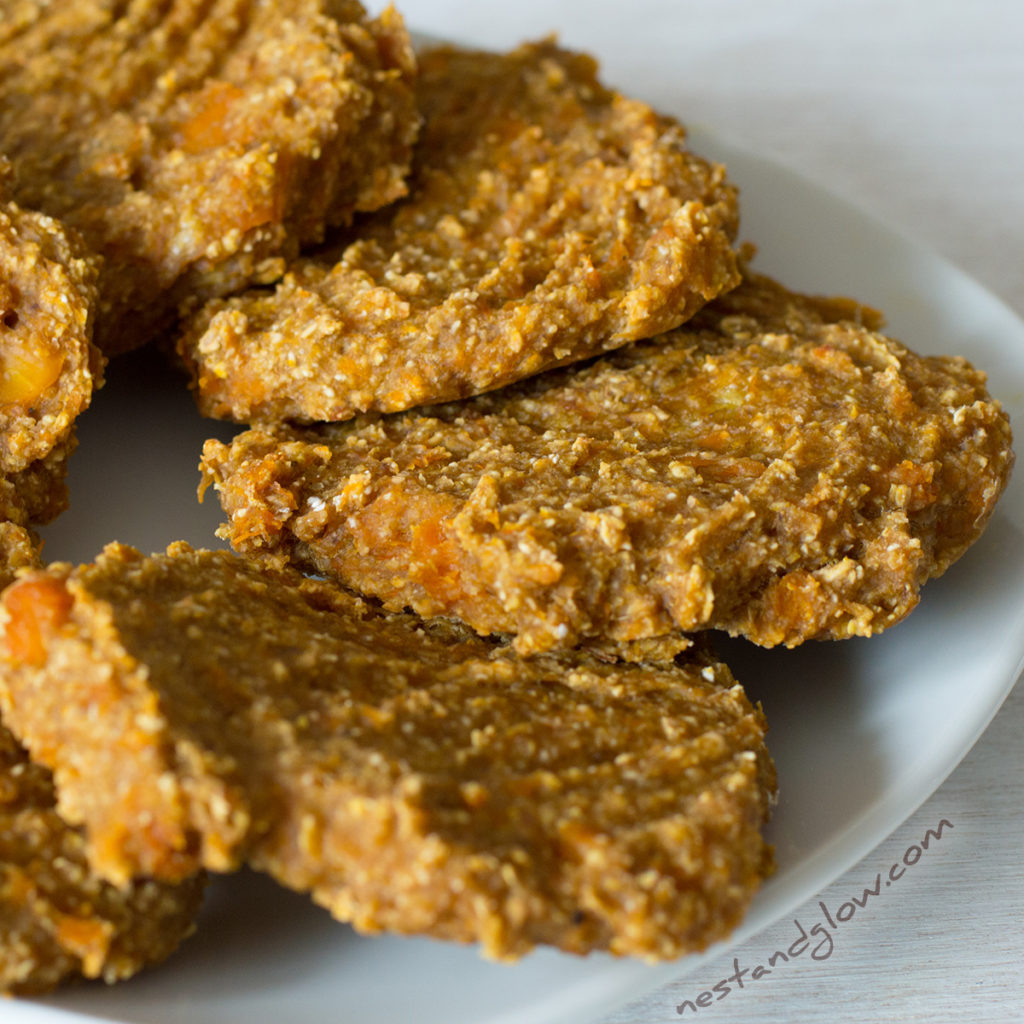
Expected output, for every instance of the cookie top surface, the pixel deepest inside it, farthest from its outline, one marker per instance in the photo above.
(193, 144)
(549, 218)
(201, 710)
(776, 468)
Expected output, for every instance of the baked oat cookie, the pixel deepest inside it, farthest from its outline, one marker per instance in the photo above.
(549, 218)
(49, 367)
(58, 920)
(198, 709)
(194, 143)
(776, 468)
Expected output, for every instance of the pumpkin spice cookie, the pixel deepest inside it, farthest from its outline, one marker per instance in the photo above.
(194, 143)
(198, 709)
(549, 219)
(776, 468)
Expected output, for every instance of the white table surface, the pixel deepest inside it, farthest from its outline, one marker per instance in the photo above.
(914, 110)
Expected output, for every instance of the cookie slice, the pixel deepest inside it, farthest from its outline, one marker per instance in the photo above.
(194, 143)
(776, 468)
(199, 710)
(49, 367)
(549, 219)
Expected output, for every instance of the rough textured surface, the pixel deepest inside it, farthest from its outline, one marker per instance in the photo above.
(198, 709)
(38, 493)
(48, 365)
(195, 142)
(549, 219)
(777, 469)
(19, 549)
(59, 920)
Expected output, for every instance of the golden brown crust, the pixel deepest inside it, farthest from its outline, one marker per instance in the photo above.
(48, 365)
(199, 709)
(549, 219)
(195, 142)
(776, 468)
(58, 920)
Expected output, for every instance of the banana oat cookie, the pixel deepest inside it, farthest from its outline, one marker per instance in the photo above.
(198, 709)
(776, 468)
(194, 143)
(549, 219)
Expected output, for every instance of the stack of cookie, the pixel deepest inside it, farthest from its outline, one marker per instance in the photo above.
(522, 426)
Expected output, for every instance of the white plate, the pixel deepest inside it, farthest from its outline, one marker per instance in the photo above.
(862, 731)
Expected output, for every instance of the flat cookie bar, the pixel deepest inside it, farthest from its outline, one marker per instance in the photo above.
(194, 143)
(198, 709)
(776, 468)
(58, 920)
(49, 367)
(549, 219)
